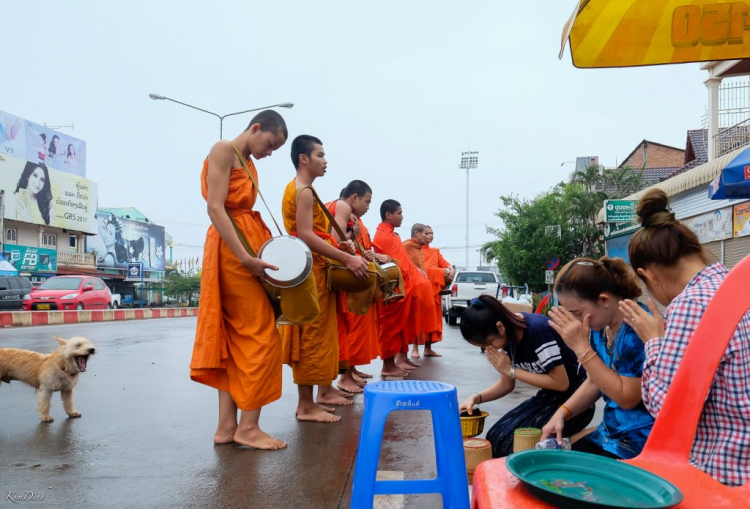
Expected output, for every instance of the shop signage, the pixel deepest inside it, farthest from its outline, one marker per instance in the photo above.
(31, 259)
(620, 211)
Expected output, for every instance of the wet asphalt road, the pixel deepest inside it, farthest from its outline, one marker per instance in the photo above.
(145, 438)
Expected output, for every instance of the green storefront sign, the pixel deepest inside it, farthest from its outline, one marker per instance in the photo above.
(31, 259)
(614, 230)
(620, 211)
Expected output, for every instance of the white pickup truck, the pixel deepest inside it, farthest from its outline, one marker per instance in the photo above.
(466, 285)
(115, 300)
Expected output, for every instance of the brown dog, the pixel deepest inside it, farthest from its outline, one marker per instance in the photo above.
(56, 371)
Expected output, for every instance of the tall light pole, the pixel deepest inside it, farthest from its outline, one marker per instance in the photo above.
(157, 97)
(469, 161)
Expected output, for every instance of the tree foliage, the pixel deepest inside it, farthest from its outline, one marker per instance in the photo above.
(182, 284)
(561, 222)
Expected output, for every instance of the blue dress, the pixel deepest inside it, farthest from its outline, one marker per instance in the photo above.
(622, 432)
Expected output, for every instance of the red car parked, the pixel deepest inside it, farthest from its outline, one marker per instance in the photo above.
(69, 292)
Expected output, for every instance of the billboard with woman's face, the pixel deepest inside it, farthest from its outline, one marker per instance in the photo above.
(40, 195)
(55, 149)
(123, 241)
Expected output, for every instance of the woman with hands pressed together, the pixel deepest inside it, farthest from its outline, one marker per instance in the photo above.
(670, 260)
(522, 346)
(591, 324)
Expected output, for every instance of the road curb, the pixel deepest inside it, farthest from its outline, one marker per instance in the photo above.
(28, 318)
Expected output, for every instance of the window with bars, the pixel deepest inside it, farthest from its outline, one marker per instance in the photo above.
(49, 240)
(11, 235)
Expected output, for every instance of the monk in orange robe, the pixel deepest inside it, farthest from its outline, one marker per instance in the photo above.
(312, 349)
(432, 314)
(399, 322)
(366, 326)
(356, 332)
(237, 348)
(433, 257)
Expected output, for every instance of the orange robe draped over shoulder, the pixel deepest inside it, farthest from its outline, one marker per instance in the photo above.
(237, 347)
(431, 318)
(435, 265)
(399, 325)
(364, 328)
(312, 349)
(342, 310)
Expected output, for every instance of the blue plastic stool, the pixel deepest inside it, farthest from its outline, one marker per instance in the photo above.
(440, 399)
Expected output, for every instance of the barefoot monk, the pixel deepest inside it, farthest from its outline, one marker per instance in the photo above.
(358, 333)
(431, 330)
(312, 349)
(434, 262)
(399, 322)
(237, 348)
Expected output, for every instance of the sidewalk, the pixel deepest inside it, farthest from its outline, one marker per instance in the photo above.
(26, 318)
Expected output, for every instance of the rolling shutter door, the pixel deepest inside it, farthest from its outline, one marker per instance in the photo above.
(735, 250)
(713, 250)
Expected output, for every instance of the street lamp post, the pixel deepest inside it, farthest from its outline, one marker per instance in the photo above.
(157, 97)
(469, 161)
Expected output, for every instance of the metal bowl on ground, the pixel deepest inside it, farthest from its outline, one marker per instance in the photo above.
(473, 425)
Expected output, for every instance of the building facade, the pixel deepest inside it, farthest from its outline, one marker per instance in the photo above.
(48, 205)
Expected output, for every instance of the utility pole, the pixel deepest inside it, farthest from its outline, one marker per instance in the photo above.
(469, 161)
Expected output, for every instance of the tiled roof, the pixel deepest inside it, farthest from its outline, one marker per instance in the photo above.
(651, 176)
(654, 175)
(697, 140)
(696, 151)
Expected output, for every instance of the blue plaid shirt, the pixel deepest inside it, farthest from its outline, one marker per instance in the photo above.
(722, 441)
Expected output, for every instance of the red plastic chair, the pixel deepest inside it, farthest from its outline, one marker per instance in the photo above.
(667, 450)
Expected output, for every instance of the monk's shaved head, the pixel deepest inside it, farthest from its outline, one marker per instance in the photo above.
(270, 121)
(357, 187)
(303, 144)
(388, 207)
(417, 228)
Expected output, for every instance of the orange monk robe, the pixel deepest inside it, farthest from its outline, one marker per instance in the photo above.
(398, 324)
(436, 266)
(432, 319)
(364, 329)
(341, 312)
(237, 347)
(433, 258)
(312, 349)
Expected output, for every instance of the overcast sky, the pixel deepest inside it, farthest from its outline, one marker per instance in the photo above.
(396, 90)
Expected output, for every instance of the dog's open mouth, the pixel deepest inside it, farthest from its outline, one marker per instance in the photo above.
(81, 361)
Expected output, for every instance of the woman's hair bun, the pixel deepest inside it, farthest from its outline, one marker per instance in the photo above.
(653, 209)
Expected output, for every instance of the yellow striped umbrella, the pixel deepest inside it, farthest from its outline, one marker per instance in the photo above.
(627, 33)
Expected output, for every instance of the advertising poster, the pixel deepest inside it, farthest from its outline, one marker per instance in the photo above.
(40, 195)
(12, 135)
(38, 144)
(31, 259)
(742, 220)
(121, 242)
(55, 149)
(712, 226)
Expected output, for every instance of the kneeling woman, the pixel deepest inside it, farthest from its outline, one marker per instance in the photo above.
(591, 324)
(522, 347)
